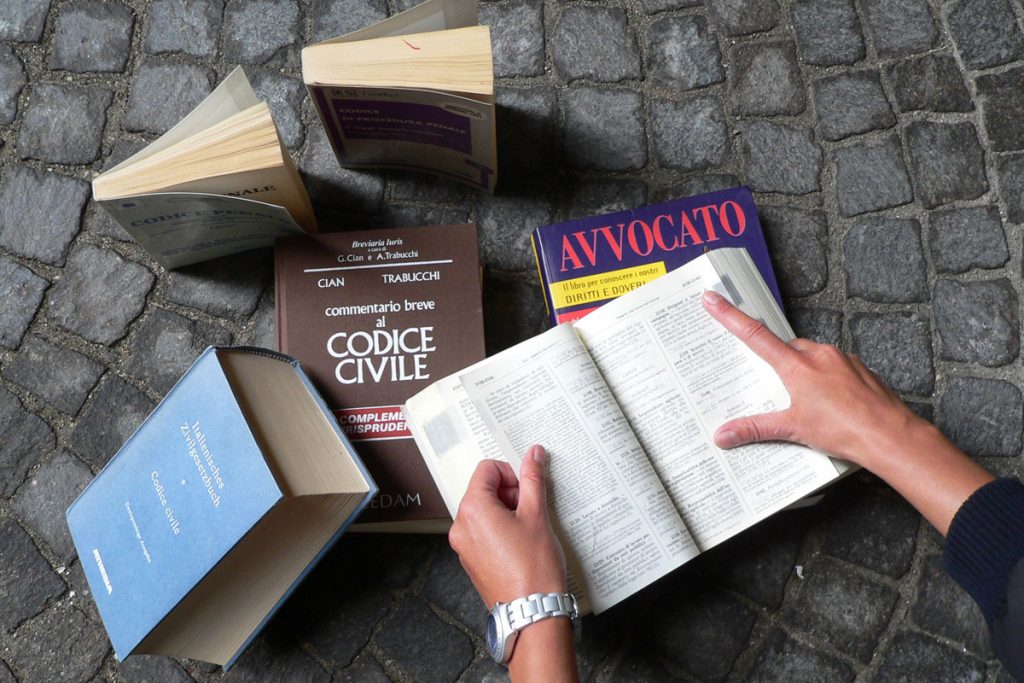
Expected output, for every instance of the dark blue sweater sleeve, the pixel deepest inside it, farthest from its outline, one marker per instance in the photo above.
(985, 554)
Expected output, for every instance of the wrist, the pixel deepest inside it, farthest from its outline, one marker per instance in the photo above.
(542, 649)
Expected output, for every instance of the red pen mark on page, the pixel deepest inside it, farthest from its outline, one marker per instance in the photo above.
(409, 44)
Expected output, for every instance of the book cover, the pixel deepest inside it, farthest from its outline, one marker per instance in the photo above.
(415, 91)
(375, 316)
(186, 492)
(590, 261)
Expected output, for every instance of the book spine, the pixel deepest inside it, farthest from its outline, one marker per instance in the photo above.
(538, 257)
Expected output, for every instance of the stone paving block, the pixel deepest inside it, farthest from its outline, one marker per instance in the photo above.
(448, 586)
(785, 660)
(1002, 100)
(827, 32)
(759, 562)
(403, 215)
(191, 27)
(424, 187)
(517, 35)
(21, 292)
(263, 332)
(871, 176)
(900, 28)
(716, 620)
(682, 53)
(332, 18)
(743, 17)
(45, 496)
(884, 260)
(64, 124)
(842, 608)
(256, 31)
(817, 324)
(798, 243)
(423, 645)
(514, 311)
(971, 237)
(365, 669)
(596, 196)
(913, 656)
(180, 86)
(977, 321)
(652, 6)
(100, 294)
(285, 96)
(61, 377)
(701, 184)
(527, 115)
(932, 82)
(26, 439)
(947, 161)
(983, 416)
(5, 674)
(269, 659)
(229, 287)
(1010, 169)
(331, 185)
(878, 532)
(54, 220)
(26, 580)
(985, 32)
(151, 669)
(851, 103)
(690, 135)
(505, 224)
(594, 42)
(60, 643)
(80, 595)
(637, 666)
(92, 36)
(779, 158)
(23, 20)
(604, 129)
(167, 344)
(897, 347)
(12, 79)
(765, 80)
(945, 609)
(116, 411)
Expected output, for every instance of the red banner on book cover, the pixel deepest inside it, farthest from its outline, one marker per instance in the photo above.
(374, 423)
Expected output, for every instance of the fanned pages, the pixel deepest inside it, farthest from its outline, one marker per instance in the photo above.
(415, 91)
(218, 183)
(625, 400)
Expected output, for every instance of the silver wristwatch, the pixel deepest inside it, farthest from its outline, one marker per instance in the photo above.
(507, 619)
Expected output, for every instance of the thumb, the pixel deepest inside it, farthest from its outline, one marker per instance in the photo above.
(752, 429)
(533, 495)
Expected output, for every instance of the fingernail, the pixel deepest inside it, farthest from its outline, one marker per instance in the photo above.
(726, 439)
(712, 297)
(539, 455)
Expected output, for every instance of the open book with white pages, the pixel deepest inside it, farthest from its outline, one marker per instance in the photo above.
(625, 401)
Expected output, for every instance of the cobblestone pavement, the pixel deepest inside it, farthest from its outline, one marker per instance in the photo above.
(884, 142)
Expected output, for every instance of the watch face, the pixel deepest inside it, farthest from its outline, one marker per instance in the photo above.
(492, 635)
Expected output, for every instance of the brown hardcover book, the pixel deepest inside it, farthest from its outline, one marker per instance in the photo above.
(374, 317)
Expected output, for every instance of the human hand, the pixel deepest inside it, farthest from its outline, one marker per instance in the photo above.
(837, 405)
(502, 532)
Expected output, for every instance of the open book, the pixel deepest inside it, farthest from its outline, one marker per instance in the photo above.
(626, 400)
(414, 91)
(218, 183)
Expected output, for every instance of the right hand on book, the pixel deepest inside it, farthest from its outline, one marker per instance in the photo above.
(502, 532)
(837, 405)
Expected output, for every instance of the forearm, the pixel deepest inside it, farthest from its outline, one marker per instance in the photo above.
(923, 466)
(545, 651)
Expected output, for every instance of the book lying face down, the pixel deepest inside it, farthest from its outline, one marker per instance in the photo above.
(626, 401)
(208, 517)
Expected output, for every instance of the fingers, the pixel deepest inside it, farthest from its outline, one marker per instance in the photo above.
(754, 334)
(752, 429)
(533, 496)
(490, 477)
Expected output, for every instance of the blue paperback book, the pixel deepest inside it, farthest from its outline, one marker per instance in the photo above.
(208, 517)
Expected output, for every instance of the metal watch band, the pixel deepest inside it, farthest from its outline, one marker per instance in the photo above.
(524, 611)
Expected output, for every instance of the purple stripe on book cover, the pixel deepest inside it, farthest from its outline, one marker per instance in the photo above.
(403, 122)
